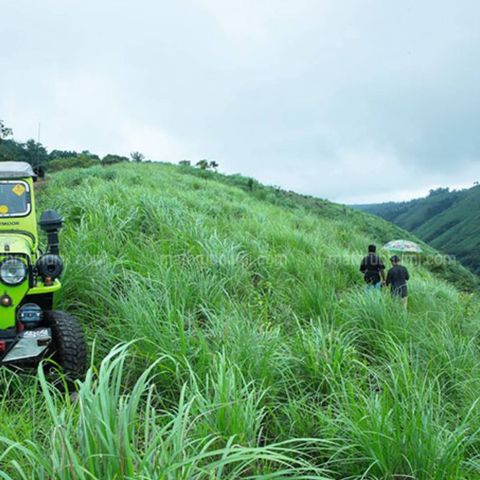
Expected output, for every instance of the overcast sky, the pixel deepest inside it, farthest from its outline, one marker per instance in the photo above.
(351, 100)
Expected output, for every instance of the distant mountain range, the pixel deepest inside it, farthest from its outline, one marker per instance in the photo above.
(449, 220)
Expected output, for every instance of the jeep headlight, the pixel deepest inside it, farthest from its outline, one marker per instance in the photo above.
(13, 271)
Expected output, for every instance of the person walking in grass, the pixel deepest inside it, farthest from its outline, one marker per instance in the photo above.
(397, 278)
(373, 269)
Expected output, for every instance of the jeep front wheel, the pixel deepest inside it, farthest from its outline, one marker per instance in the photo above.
(69, 349)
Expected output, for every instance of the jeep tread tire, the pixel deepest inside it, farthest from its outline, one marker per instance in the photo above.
(69, 347)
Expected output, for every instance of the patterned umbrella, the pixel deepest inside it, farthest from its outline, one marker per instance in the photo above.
(404, 246)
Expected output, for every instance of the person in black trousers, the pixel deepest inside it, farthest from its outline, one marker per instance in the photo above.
(397, 278)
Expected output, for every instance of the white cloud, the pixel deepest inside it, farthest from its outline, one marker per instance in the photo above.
(313, 95)
(153, 142)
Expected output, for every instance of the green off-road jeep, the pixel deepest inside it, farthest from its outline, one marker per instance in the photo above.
(30, 330)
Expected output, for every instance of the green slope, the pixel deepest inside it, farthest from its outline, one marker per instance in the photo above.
(447, 220)
(257, 352)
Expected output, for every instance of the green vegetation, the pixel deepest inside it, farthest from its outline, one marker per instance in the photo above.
(4, 131)
(447, 220)
(37, 155)
(83, 160)
(256, 352)
(137, 157)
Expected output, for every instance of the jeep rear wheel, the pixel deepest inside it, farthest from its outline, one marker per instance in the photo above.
(69, 349)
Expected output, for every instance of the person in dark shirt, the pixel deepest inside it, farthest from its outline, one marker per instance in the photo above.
(373, 269)
(397, 279)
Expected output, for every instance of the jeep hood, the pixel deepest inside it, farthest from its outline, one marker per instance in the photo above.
(10, 243)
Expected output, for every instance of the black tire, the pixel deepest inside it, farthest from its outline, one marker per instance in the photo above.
(69, 348)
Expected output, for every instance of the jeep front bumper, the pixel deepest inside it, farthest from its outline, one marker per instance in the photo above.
(27, 345)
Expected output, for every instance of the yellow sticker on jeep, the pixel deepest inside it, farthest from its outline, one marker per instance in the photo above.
(18, 189)
(3, 209)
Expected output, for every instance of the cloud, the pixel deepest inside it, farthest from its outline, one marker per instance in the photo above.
(356, 100)
(152, 141)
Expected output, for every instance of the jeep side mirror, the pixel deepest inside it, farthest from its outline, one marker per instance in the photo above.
(51, 223)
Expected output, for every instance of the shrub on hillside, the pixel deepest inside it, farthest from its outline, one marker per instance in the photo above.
(111, 159)
(80, 161)
(137, 157)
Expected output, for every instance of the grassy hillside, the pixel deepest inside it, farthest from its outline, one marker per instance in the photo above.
(447, 220)
(248, 346)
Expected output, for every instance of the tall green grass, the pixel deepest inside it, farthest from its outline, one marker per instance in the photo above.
(257, 352)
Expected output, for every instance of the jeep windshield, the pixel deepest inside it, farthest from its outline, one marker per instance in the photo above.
(14, 198)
